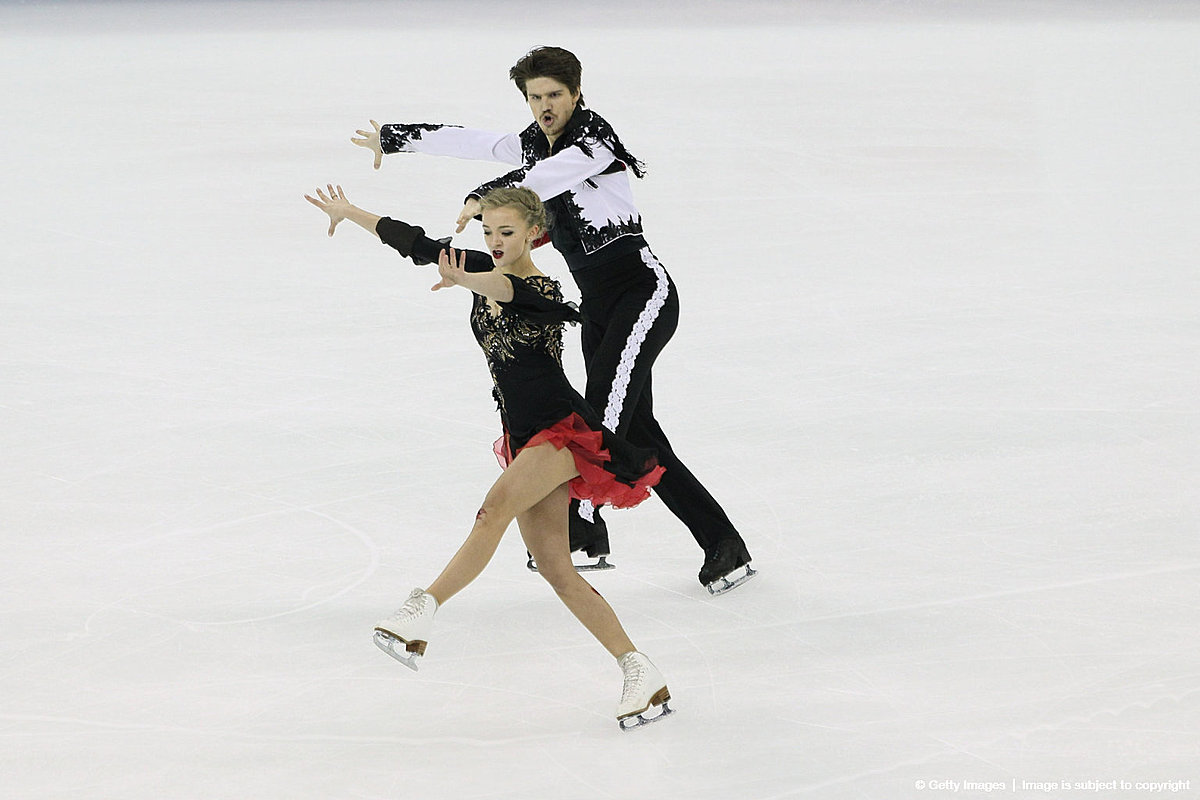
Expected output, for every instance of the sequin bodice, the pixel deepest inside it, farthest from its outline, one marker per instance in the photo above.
(502, 334)
(523, 351)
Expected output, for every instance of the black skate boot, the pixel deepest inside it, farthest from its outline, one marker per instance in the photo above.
(589, 538)
(729, 556)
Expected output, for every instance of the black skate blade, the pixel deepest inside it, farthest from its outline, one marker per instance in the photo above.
(640, 720)
(396, 649)
(724, 584)
(600, 564)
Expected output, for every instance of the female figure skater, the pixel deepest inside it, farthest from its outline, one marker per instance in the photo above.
(553, 447)
(574, 159)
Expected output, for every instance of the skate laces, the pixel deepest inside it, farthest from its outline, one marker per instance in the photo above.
(635, 675)
(412, 607)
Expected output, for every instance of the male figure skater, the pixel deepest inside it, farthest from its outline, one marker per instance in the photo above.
(575, 161)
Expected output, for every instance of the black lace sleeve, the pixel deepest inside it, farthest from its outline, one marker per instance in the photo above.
(509, 179)
(411, 242)
(539, 299)
(394, 137)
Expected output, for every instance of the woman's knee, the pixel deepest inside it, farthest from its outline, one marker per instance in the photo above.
(495, 508)
(554, 562)
(561, 577)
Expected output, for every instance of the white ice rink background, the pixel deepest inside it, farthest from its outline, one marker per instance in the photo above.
(939, 360)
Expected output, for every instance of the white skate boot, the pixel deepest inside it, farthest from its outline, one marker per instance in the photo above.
(644, 687)
(403, 635)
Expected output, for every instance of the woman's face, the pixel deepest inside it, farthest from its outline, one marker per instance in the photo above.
(506, 234)
(552, 104)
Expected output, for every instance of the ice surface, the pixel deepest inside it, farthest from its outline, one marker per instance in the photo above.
(938, 359)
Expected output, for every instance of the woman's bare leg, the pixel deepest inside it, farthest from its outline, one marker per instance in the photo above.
(544, 529)
(533, 474)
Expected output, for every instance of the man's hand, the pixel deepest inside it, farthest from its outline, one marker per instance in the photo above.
(370, 141)
(468, 213)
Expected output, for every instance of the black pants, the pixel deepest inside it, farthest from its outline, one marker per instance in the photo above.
(630, 311)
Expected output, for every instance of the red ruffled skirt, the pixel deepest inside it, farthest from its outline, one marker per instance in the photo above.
(597, 481)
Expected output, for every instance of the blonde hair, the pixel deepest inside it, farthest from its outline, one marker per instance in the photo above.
(523, 200)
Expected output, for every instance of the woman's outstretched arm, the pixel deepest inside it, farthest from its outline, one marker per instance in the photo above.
(408, 240)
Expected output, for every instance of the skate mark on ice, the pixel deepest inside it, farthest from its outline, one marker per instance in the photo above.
(371, 567)
(227, 733)
(1070, 722)
(950, 601)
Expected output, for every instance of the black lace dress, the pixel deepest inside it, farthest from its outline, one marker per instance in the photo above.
(522, 343)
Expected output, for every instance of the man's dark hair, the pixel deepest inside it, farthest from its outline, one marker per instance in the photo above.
(548, 62)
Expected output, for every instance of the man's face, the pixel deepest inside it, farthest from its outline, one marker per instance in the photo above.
(552, 104)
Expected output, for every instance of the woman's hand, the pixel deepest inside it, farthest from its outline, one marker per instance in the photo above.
(494, 285)
(334, 204)
(370, 141)
(452, 268)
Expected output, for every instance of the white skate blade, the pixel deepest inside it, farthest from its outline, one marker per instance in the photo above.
(724, 584)
(638, 720)
(601, 563)
(397, 649)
